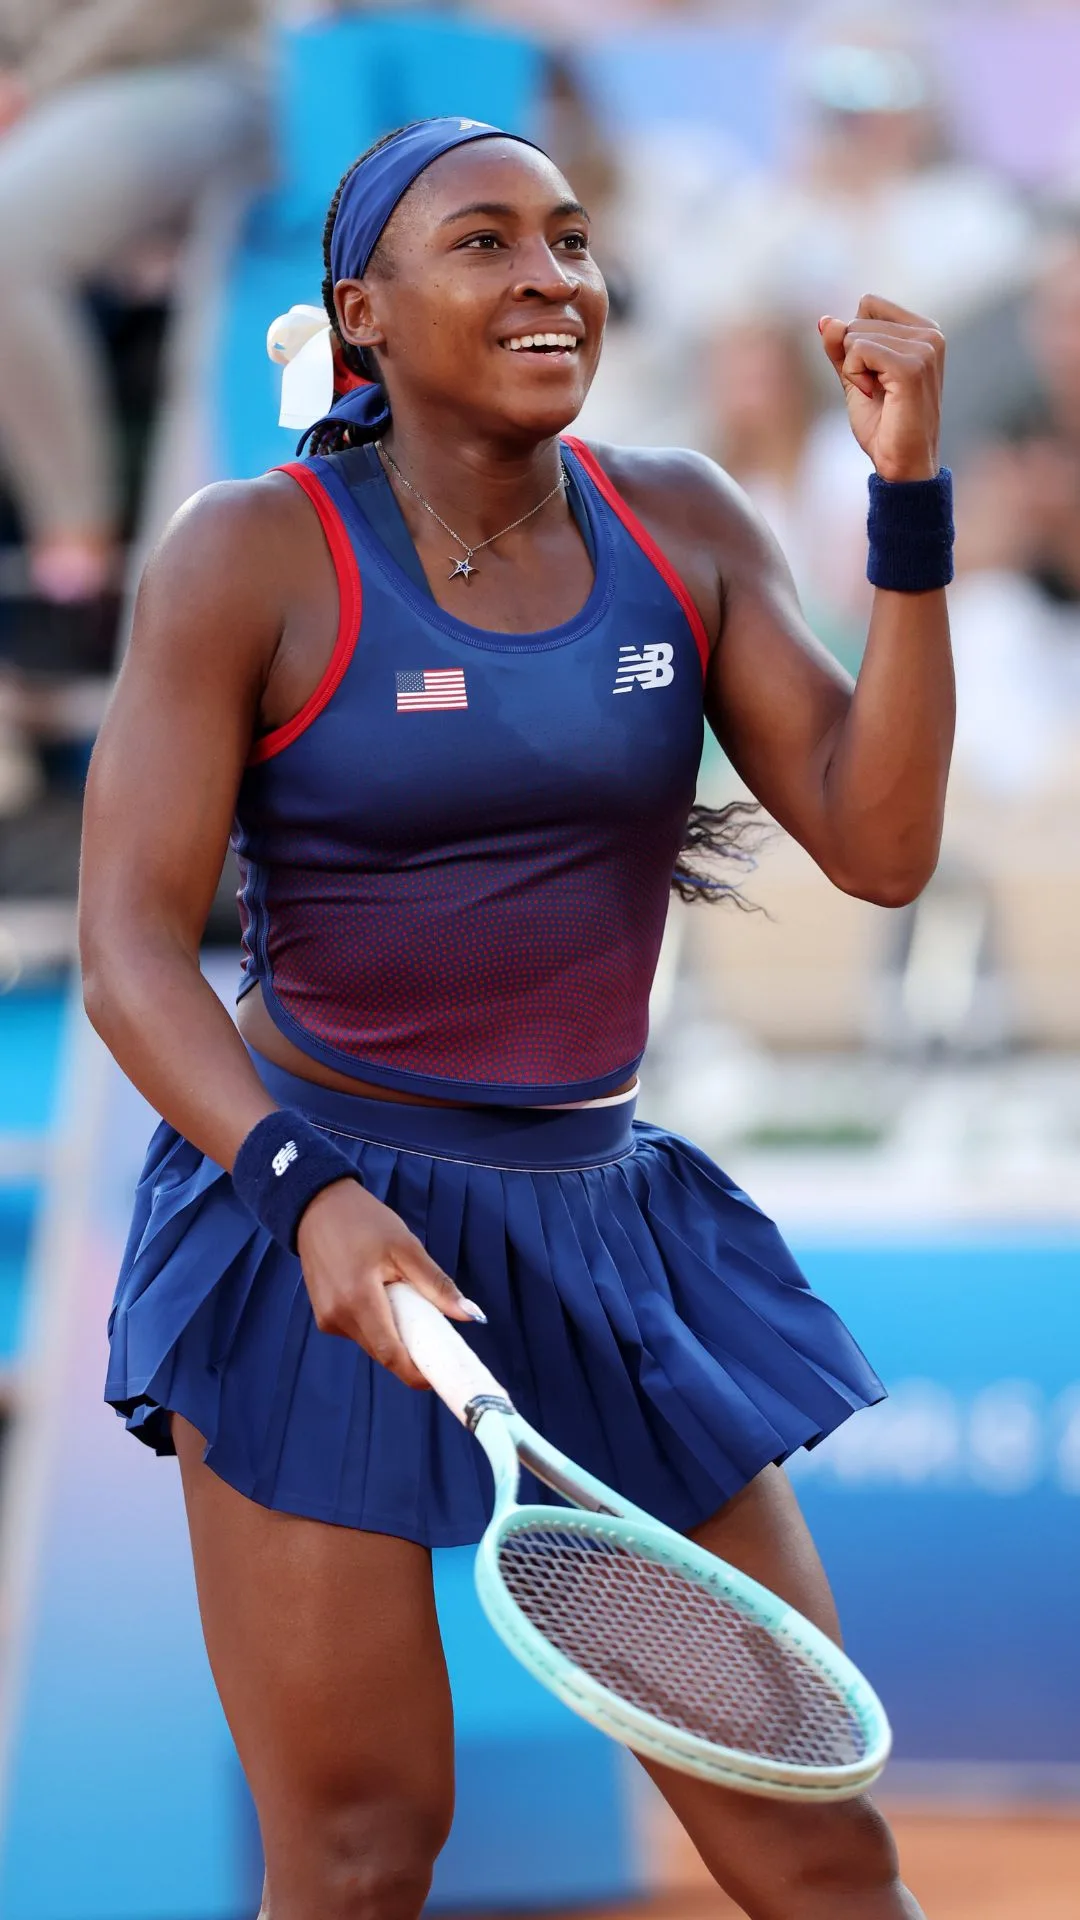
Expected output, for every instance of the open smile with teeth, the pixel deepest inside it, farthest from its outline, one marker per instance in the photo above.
(543, 343)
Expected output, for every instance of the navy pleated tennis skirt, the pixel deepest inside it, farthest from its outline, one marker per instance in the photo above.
(642, 1313)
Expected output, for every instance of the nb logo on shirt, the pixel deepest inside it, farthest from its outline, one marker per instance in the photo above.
(284, 1157)
(651, 667)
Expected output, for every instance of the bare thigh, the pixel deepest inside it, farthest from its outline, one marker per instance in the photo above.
(781, 1860)
(325, 1648)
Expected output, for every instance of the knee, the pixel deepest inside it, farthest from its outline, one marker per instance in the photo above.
(372, 1862)
(850, 1856)
(379, 1886)
(829, 1863)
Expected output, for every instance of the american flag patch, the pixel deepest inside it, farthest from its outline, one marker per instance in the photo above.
(433, 689)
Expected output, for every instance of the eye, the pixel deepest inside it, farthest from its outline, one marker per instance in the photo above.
(485, 242)
(576, 242)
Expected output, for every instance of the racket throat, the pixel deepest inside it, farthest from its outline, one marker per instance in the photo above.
(510, 1443)
(538, 1461)
(487, 1403)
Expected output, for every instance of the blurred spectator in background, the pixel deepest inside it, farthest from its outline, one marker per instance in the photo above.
(770, 420)
(641, 389)
(114, 114)
(649, 190)
(871, 199)
(567, 20)
(1016, 604)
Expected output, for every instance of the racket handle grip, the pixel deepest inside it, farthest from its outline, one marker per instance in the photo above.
(439, 1352)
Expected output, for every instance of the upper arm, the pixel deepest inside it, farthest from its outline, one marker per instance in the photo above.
(169, 759)
(774, 695)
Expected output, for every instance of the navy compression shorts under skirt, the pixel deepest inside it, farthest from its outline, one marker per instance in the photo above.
(642, 1312)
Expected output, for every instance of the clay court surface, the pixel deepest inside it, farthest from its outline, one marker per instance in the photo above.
(996, 1867)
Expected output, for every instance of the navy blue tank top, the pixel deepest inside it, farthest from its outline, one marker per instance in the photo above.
(456, 858)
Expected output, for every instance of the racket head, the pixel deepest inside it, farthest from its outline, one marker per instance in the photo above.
(678, 1655)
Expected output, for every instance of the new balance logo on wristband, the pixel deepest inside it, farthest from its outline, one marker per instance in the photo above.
(284, 1142)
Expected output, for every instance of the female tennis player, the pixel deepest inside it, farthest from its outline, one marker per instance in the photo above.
(448, 676)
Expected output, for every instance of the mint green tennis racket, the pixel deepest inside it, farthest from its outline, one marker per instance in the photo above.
(658, 1643)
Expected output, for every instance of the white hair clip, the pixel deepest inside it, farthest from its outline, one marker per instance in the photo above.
(300, 342)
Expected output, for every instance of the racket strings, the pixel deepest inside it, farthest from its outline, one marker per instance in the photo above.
(676, 1649)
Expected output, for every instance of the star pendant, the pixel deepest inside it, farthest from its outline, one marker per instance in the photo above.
(464, 567)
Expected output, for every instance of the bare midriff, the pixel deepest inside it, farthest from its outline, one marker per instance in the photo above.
(258, 1029)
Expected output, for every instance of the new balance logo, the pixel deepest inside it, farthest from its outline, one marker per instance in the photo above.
(650, 668)
(284, 1157)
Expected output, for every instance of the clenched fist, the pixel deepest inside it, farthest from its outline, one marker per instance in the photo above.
(890, 364)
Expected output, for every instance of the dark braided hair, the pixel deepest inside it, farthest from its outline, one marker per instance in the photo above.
(358, 359)
(732, 833)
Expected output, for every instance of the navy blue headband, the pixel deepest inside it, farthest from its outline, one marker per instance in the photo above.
(368, 198)
(374, 188)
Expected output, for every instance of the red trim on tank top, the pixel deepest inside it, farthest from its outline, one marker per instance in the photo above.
(646, 542)
(350, 611)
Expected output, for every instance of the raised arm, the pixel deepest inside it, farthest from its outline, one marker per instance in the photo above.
(856, 774)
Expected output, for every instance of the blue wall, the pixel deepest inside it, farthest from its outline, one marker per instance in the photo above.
(949, 1517)
(31, 1028)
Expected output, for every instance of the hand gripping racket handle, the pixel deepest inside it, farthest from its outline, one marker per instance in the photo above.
(440, 1353)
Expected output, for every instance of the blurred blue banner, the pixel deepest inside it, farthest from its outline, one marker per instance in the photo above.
(949, 1517)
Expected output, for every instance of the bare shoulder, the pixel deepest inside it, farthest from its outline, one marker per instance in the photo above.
(226, 577)
(701, 520)
(233, 523)
(690, 496)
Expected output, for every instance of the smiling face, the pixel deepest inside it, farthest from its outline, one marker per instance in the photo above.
(483, 304)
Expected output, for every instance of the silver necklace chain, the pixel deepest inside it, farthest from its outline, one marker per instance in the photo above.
(465, 568)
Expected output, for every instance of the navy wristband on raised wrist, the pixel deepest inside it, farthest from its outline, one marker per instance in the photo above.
(910, 526)
(282, 1164)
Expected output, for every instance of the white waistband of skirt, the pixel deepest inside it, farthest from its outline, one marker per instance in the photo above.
(607, 1100)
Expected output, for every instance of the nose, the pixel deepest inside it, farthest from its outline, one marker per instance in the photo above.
(540, 276)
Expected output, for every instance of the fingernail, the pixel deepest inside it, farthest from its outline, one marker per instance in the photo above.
(474, 1312)
(823, 323)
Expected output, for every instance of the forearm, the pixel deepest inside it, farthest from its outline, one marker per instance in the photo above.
(165, 1026)
(888, 757)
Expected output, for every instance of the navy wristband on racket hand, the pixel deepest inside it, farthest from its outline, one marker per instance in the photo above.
(282, 1164)
(910, 525)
